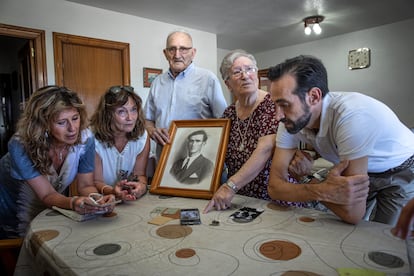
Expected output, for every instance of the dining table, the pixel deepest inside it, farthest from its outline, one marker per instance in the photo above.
(145, 237)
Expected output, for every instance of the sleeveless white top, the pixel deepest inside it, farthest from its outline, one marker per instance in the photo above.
(114, 162)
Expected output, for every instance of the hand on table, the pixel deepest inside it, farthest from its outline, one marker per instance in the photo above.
(94, 205)
(345, 190)
(130, 190)
(221, 199)
(405, 221)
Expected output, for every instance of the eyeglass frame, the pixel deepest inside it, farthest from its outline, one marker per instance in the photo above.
(181, 50)
(247, 70)
(118, 88)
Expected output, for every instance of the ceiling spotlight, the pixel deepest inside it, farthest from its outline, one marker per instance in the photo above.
(313, 21)
(308, 30)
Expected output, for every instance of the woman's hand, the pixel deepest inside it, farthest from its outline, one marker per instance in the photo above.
(130, 190)
(93, 205)
(221, 199)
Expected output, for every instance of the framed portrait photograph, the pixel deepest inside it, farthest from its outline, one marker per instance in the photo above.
(150, 74)
(192, 164)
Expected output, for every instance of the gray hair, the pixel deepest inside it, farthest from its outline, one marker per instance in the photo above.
(229, 59)
(178, 31)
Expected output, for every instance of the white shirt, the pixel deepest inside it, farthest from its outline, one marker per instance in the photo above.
(194, 94)
(113, 161)
(352, 126)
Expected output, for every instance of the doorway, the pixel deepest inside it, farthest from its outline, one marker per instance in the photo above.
(22, 71)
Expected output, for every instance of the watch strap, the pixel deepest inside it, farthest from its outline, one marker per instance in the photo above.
(306, 179)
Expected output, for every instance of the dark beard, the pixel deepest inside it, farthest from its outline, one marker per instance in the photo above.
(299, 124)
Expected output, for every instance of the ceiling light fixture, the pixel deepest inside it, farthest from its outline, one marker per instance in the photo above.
(313, 21)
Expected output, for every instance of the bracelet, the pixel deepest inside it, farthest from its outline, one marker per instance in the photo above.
(72, 200)
(103, 188)
(232, 186)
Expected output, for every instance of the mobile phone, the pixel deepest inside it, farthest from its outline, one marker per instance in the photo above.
(190, 216)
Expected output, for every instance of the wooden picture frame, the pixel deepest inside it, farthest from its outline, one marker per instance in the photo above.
(150, 74)
(198, 181)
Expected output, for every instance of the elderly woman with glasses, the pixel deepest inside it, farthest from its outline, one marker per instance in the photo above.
(121, 144)
(252, 133)
(52, 147)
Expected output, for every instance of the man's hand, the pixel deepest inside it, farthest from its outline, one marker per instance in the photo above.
(405, 221)
(301, 164)
(221, 199)
(159, 135)
(345, 190)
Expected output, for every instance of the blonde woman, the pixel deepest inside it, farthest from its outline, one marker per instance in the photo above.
(51, 148)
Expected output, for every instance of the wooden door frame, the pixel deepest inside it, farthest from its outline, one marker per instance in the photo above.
(59, 39)
(39, 45)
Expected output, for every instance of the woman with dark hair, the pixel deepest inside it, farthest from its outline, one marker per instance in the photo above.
(51, 147)
(121, 143)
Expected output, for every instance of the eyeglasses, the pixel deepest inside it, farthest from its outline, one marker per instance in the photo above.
(181, 50)
(118, 88)
(236, 74)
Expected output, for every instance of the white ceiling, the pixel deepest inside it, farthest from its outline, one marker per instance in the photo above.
(260, 25)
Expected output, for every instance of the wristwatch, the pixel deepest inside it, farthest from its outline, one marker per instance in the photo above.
(232, 186)
(306, 179)
(319, 175)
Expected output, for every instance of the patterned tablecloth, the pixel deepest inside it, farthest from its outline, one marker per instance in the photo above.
(280, 241)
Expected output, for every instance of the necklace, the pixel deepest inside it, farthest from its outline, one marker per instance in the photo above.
(60, 153)
(243, 142)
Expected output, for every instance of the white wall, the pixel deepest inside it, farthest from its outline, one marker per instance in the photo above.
(146, 37)
(390, 76)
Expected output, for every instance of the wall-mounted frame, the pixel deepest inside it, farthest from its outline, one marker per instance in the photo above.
(197, 181)
(150, 74)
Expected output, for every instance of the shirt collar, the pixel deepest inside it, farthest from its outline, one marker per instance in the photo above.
(192, 158)
(183, 73)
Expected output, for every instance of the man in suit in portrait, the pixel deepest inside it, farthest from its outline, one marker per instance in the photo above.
(194, 167)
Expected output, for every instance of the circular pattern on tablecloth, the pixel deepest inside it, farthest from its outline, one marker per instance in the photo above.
(174, 231)
(185, 253)
(276, 207)
(280, 250)
(306, 219)
(106, 249)
(385, 259)
(39, 237)
(52, 213)
(110, 215)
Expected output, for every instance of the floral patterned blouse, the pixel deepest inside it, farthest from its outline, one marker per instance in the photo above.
(244, 136)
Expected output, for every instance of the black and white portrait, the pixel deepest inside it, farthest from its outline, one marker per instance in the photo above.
(193, 166)
(192, 158)
(192, 163)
